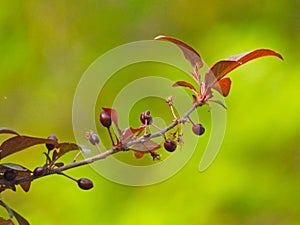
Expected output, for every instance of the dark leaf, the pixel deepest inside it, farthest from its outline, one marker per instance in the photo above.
(146, 146)
(247, 56)
(185, 84)
(219, 70)
(26, 184)
(67, 147)
(4, 184)
(18, 143)
(5, 130)
(13, 166)
(114, 117)
(189, 53)
(6, 222)
(223, 86)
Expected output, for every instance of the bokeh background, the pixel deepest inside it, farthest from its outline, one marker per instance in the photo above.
(47, 45)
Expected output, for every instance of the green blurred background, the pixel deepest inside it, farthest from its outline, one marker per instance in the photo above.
(47, 45)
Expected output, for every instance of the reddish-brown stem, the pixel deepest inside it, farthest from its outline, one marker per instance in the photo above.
(111, 151)
(110, 135)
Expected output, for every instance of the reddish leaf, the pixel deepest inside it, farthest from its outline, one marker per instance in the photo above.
(114, 117)
(67, 147)
(4, 130)
(25, 185)
(5, 222)
(196, 75)
(18, 143)
(146, 146)
(138, 155)
(189, 53)
(195, 99)
(130, 133)
(223, 86)
(219, 70)
(139, 130)
(247, 56)
(185, 84)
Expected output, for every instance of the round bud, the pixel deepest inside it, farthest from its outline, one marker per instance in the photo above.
(146, 118)
(85, 183)
(10, 174)
(39, 171)
(94, 139)
(170, 145)
(51, 146)
(105, 119)
(198, 129)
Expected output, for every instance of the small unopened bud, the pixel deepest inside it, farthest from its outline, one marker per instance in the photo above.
(92, 137)
(169, 100)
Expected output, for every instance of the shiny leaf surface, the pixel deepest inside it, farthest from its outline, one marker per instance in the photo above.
(189, 53)
(223, 86)
(18, 143)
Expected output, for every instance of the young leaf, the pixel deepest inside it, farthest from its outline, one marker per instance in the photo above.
(223, 86)
(221, 68)
(5, 130)
(185, 84)
(218, 71)
(146, 146)
(114, 117)
(247, 56)
(18, 143)
(195, 99)
(189, 53)
(130, 133)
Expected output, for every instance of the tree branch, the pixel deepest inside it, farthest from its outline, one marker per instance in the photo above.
(109, 152)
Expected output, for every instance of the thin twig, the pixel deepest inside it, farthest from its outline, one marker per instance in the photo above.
(111, 151)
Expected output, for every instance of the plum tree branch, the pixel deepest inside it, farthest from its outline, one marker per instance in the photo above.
(109, 152)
